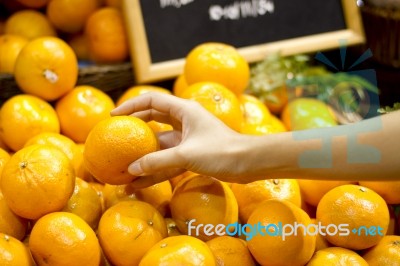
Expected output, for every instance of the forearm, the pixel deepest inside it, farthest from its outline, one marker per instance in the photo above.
(363, 151)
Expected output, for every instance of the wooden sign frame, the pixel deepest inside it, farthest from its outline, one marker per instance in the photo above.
(145, 71)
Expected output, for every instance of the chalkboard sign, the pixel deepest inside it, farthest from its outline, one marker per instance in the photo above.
(162, 32)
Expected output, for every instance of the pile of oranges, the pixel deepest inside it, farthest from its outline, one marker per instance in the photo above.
(66, 198)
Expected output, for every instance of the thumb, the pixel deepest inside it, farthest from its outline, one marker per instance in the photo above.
(156, 162)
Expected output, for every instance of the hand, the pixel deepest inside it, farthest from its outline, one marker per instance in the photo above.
(200, 142)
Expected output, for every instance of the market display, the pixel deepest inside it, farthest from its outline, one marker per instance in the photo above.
(65, 192)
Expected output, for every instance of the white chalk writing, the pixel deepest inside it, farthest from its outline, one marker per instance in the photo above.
(241, 9)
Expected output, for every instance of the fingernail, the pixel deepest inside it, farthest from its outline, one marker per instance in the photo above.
(135, 169)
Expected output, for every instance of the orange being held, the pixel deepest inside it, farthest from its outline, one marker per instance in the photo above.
(85, 203)
(46, 67)
(13, 252)
(313, 190)
(180, 84)
(230, 250)
(107, 38)
(336, 256)
(70, 15)
(250, 195)
(388, 190)
(128, 230)
(113, 144)
(218, 100)
(81, 109)
(10, 223)
(386, 252)
(30, 24)
(10, 47)
(34, 3)
(37, 180)
(283, 249)
(179, 250)
(360, 208)
(203, 200)
(217, 62)
(61, 142)
(24, 116)
(63, 238)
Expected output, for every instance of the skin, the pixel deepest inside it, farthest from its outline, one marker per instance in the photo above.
(203, 144)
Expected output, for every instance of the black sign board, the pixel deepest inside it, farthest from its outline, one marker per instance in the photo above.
(162, 32)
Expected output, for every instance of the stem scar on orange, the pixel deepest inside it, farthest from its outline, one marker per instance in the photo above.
(113, 144)
(46, 67)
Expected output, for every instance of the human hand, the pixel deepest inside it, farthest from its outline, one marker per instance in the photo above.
(200, 142)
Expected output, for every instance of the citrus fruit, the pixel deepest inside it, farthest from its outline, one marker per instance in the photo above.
(218, 100)
(13, 252)
(202, 200)
(230, 250)
(217, 62)
(62, 238)
(386, 252)
(24, 116)
(128, 230)
(138, 90)
(254, 111)
(334, 256)
(388, 190)
(283, 249)
(10, 47)
(46, 67)
(61, 142)
(82, 171)
(251, 194)
(306, 113)
(179, 250)
(78, 42)
(179, 85)
(114, 3)
(358, 207)
(4, 157)
(321, 242)
(37, 180)
(30, 24)
(34, 3)
(81, 109)
(113, 144)
(172, 228)
(106, 35)
(10, 223)
(70, 15)
(313, 190)
(85, 203)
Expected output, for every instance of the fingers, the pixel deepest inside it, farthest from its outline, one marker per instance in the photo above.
(146, 181)
(169, 139)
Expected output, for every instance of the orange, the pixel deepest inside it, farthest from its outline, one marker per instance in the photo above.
(30, 24)
(113, 144)
(2, 25)
(229, 250)
(79, 44)
(336, 256)
(179, 85)
(176, 179)
(172, 227)
(388, 190)
(10, 47)
(274, 125)
(179, 250)
(107, 38)
(85, 203)
(360, 208)
(386, 252)
(128, 230)
(217, 62)
(24, 116)
(70, 15)
(13, 252)
(34, 3)
(81, 109)
(37, 180)
(283, 249)
(321, 242)
(114, 3)
(218, 100)
(313, 190)
(137, 90)
(4, 157)
(46, 67)
(254, 111)
(62, 238)
(82, 172)
(202, 200)
(250, 195)
(61, 142)
(10, 223)
(98, 187)
(276, 99)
